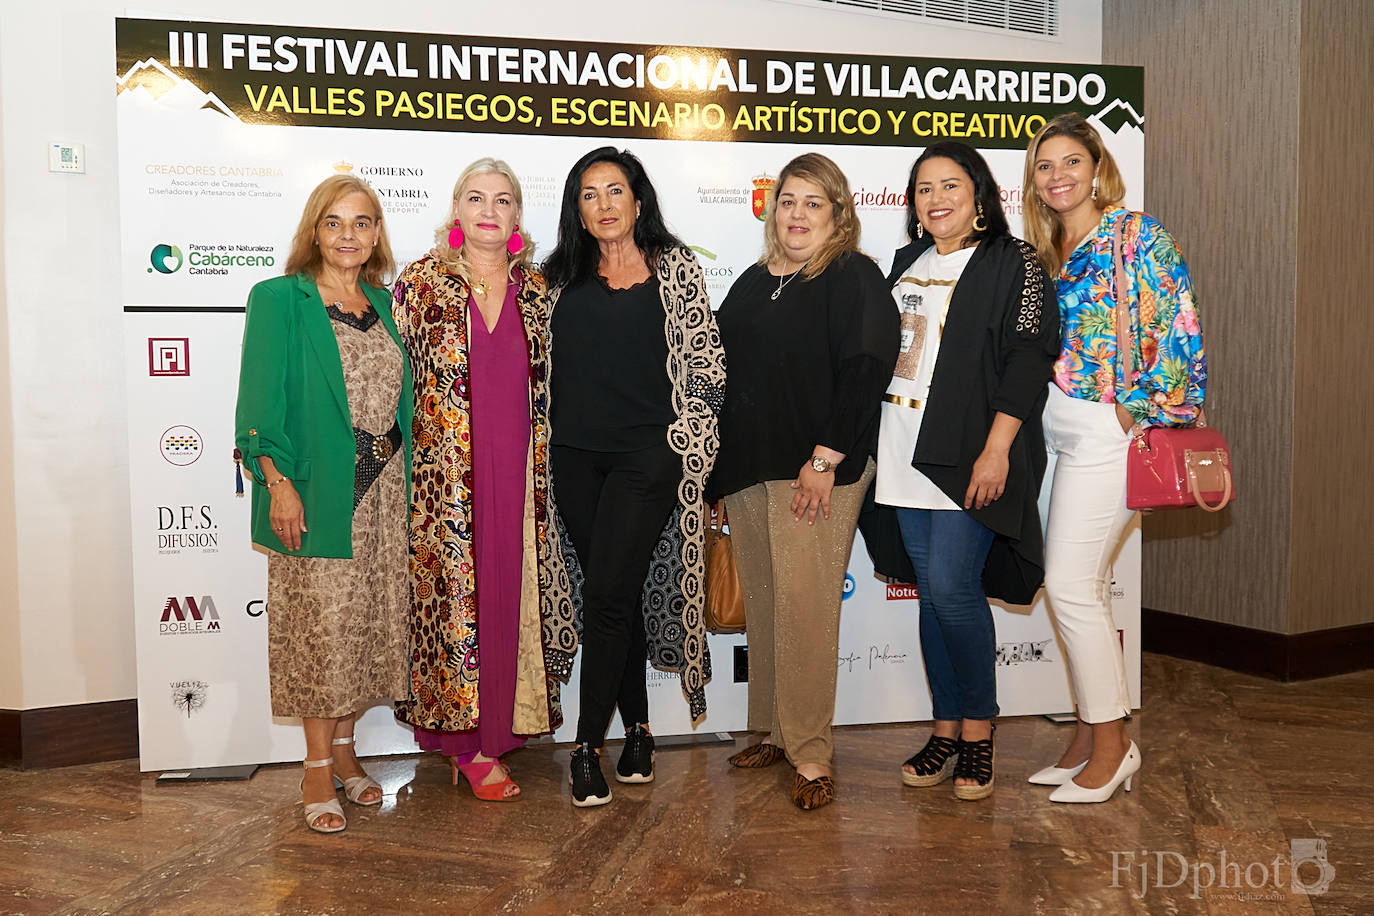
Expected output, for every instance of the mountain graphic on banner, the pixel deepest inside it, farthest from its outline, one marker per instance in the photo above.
(1117, 115)
(148, 82)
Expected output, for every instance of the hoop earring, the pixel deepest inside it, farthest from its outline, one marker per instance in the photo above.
(979, 219)
(516, 243)
(1094, 187)
(920, 230)
(455, 236)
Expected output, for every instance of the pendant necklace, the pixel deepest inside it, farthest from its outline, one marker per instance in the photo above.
(335, 303)
(480, 283)
(783, 281)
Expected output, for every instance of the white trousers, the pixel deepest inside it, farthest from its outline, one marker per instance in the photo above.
(1087, 517)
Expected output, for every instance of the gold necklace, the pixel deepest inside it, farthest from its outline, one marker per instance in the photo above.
(482, 283)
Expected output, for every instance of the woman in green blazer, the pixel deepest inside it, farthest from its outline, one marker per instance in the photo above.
(324, 403)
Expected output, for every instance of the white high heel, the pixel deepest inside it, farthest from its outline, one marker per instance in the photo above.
(1055, 776)
(355, 786)
(314, 810)
(1073, 792)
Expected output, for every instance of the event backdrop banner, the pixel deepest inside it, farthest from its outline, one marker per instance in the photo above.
(224, 128)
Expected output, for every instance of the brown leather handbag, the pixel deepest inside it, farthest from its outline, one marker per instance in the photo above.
(724, 598)
(1168, 467)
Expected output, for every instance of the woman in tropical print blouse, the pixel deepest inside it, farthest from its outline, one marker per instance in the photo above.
(1074, 218)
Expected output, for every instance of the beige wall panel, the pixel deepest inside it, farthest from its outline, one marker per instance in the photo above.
(1333, 416)
(11, 676)
(1221, 166)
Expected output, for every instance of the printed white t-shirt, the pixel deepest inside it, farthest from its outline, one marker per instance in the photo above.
(922, 295)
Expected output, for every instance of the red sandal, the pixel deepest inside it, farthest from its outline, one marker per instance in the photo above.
(476, 771)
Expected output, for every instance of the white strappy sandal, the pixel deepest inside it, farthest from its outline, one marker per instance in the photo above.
(355, 786)
(314, 810)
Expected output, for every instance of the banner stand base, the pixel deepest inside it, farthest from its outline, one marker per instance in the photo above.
(1064, 718)
(701, 739)
(210, 774)
(705, 738)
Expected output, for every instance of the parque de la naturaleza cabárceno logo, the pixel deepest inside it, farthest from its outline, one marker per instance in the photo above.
(219, 260)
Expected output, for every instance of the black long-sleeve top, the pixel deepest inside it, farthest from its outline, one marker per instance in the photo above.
(997, 352)
(808, 368)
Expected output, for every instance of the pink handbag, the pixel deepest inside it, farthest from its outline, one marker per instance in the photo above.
(1169, 467)
(1177, 468)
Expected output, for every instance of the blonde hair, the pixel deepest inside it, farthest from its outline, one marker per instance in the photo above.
(826, 175)
(1043, 227)
(305, 255)
(455, 260)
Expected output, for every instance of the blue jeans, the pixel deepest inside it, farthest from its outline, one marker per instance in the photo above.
(948, 549)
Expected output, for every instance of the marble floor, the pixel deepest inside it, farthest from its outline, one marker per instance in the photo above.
(1236, 769)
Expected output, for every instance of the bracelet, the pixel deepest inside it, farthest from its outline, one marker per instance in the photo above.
(275, 482)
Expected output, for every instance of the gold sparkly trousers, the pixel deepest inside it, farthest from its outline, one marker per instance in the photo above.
(792, 575)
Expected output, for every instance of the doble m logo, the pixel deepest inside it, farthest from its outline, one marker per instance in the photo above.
(202, 611)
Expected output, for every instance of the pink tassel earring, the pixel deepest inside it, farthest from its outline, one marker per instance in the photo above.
(516, 243)
(455, 236)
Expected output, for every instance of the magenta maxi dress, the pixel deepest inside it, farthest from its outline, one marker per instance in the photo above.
(498, 373)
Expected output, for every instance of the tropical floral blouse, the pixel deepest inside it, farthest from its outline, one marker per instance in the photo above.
(1170, 377)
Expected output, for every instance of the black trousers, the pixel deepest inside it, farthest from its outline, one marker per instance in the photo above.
(614, 505)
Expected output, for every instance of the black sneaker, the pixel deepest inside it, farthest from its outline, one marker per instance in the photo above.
(636, 762)
(588, 785)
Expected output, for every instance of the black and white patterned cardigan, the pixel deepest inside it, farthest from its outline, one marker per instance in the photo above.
(675, 588)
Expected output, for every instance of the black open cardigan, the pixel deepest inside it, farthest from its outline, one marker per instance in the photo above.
(997, 350)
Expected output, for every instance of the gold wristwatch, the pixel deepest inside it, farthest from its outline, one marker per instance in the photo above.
(821, 465)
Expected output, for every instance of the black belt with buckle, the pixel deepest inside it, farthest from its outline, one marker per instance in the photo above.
(373, 454)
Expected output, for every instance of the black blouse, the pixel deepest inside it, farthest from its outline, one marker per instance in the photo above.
(808, 368)
(610, 390)
(997, 352)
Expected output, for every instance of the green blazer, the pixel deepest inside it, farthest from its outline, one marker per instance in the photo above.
(293, 407)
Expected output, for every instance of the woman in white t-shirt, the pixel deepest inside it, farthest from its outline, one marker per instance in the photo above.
(960, 452)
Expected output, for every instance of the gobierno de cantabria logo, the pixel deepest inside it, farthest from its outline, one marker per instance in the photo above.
(166, 259)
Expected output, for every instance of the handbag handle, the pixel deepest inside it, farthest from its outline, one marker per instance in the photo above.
(1125, 344)
(1197, 495)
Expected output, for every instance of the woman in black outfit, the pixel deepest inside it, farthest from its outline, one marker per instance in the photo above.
(811, 336)
(638, 376)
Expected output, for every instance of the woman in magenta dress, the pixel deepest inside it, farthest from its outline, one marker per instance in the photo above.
(473, 314)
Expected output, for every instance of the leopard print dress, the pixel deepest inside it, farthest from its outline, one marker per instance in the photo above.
(338, 629)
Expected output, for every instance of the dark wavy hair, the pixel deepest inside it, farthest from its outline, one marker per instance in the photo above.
(985, 190)
(576, 254)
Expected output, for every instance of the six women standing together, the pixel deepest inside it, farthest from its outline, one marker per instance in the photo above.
(564, 438)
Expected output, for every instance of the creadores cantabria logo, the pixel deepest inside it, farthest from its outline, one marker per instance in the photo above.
(166, 259)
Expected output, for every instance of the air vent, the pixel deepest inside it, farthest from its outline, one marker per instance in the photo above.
(1032, 17)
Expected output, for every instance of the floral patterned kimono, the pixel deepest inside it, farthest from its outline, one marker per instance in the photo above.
(1170, 379)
